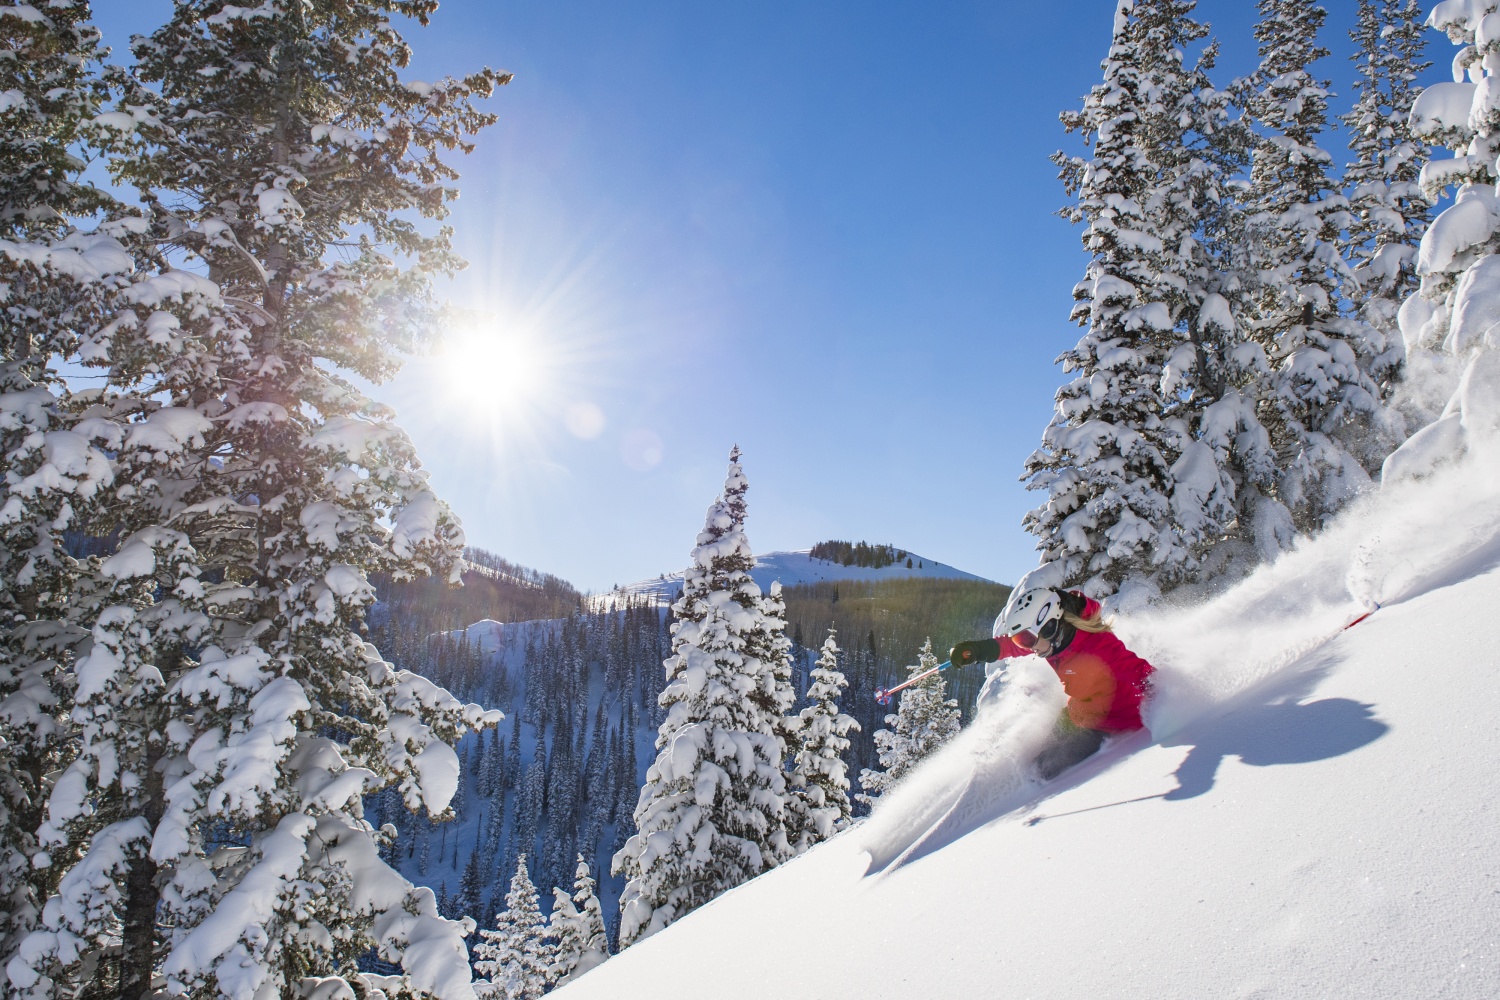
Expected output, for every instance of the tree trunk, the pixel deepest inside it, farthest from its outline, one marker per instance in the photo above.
(138, 939)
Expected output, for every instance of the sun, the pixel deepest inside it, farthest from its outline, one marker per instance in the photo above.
(496, 371)
(516, 383)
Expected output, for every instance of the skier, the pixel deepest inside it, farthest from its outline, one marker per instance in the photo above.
(1105, 681)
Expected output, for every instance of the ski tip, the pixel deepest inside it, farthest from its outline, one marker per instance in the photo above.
(883, 696)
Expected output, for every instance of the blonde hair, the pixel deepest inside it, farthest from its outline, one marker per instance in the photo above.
(1095, 622)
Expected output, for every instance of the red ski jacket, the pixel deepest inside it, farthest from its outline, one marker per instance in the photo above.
(1105, 681)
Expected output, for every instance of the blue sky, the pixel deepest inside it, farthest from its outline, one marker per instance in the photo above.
(825, 232)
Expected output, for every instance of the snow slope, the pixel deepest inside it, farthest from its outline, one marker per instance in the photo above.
(1313, 814)
(793, 568)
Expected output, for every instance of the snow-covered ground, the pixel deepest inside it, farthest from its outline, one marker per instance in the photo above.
(507, 640)
(793, 568)
(1313, 815)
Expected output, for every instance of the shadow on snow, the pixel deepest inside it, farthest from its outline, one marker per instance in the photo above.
(1268, 726)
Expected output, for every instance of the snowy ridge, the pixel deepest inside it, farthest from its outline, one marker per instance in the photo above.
(1312, 814)
(798, 567)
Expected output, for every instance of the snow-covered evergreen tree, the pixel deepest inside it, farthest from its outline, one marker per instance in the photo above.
(598, 794)
(1137, 480)
(513, 769)
(228, 695)
(772, 647)
(778, 649)
(562, 787)
(1389, 211)
(1456, 312)
(711, 813)
(577, 927)
(1328, 424)
(765, 643)
(820, 774)
(627, 776)
(49, 74)
(55, 285)
(530, 799)
(924, 721)
(518, 955)
(1385, 197)
(471, 885)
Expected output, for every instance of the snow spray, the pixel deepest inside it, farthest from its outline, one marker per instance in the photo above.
(980, 773)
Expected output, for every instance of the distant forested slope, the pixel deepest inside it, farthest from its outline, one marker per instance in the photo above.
(579, 684)
(493, 588)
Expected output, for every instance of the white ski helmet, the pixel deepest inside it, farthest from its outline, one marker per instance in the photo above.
(1030, 615)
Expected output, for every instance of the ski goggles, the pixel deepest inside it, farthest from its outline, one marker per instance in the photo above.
(1027, 639)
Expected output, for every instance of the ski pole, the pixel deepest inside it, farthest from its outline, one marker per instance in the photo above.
(883, 695)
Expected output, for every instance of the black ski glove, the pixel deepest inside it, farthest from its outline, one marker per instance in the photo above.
(976, 651)
(1073, 603)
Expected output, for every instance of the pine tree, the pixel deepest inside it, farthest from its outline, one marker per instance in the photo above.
(518, 954)
(618, 806)
(820, 774)
(1327, 422)
(577, 926)
(1390, 213)
(50, 75)
(580, 729)
(628, 780)
(56, 286)
(598, 798)
(513, 755)
(424, 850)
(765, 646)
(494, 766)
(770, 645)
(228, 694)
(70, 712)
(488, 848)
(861, 663)
(1137, 485)
(925, 720)
(471, 886)
(1455, 311)
(562, 819)
(475, 776)
(530, 800)
(778, 652)
(710, 815)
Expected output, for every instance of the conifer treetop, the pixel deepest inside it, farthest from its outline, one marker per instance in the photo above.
(49, 73)
(711, 812)
(266, 136)
(820, 778)
(1129, 494)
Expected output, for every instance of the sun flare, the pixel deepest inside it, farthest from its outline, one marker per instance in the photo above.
(497, 371)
